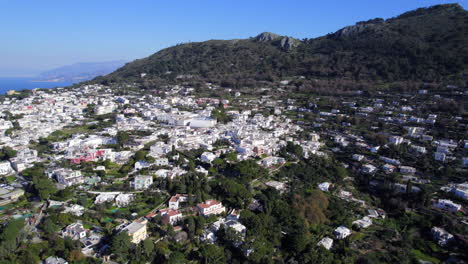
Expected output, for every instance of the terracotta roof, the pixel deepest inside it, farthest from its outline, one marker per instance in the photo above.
(169, 212)
(176, 197)
(208, 203)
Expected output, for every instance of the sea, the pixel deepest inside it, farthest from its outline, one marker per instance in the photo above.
(20, 83)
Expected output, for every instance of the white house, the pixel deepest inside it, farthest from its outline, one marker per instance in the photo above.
(211, 207)
(324, 186)
(270, 161)
(441, 236)
(104, 197)
(55, 260)
(123, 199)
(365, 222)
(279, 186)
(447, 205)
(142, 182)
(358, 157)
(161, 162)
(75, 231)
(368, 168)
(407, 170)
(69, 177)
(342, 232)
(141, 164)
(439, 156)
(401, 188)
(207, 157)
(396, 140)
(5, 168)
(171, 216)
(326, 242)
(461, 190)
(174, 202)
(202, 122)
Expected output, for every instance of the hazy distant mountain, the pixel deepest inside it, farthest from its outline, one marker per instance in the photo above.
(427, 44)
(80, 71)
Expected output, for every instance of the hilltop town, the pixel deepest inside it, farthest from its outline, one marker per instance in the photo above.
(92, 174)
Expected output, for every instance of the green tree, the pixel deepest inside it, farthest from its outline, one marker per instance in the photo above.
(191, 227)
(140, 155)
(44, 187)
(27, 256)
(122, 138)
(7, 153)
(10, 237)
(148, 247)
(177, 258)
(120, 246)
(212, 254)
(48, 226)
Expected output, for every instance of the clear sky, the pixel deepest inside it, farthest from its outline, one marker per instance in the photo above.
(38, 35)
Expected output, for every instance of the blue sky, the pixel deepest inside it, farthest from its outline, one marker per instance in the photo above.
(39, 35)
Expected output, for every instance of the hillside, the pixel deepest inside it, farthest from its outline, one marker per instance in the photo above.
(80, 71)
(427, 44)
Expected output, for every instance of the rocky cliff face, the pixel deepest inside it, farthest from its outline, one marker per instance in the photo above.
(283, 42)
(267, 36)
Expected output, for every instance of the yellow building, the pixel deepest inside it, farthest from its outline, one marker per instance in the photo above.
(137, 231)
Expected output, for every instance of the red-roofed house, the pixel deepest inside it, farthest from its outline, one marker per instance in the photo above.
(170, 216)
(175, 200)
(211, 207)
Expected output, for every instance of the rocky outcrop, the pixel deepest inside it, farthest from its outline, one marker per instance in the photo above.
(267, 36)
(282, 42)
(288, 43)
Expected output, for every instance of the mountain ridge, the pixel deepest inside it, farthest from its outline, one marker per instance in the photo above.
(427, 44)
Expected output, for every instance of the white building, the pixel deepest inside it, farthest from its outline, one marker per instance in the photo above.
(407, 170)
(161, 162)
(447, 205)
(358, 157)
(104, 109)
(141, 164)
(271, 161)
(326, 242)
(5, 168)
(279, 186)
(69, 177)
(202, 122)
(324, 186)
(142, 182)
(441, 236)
(104, 197)
(174, 202)
(342, 232)
(124, 199)
(74, 231)
(207, 157)
(396, 140)
(211, 207)
(365, 222)
(461, 190)
(171, 216)
(368, 168)
(439, 156)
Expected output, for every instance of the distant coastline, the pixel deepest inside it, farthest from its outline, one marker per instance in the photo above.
(47, 81)
(28, 83)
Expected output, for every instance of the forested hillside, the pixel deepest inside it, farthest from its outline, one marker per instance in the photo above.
(427, 44)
